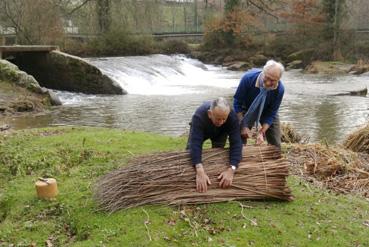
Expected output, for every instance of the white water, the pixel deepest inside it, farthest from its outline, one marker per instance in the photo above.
(164, 75)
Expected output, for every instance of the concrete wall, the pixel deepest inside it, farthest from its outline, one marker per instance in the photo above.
(61, 71)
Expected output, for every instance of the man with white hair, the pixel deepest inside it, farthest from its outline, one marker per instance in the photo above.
(215, 121)
(257, 100)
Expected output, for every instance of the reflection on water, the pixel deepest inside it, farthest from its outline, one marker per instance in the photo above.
(327, 115)
(165, 91)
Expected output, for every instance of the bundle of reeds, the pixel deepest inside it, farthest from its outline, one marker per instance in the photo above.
(289, 134)
(169, 178)
(359, 140)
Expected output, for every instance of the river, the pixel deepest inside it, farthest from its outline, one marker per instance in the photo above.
(165, 90)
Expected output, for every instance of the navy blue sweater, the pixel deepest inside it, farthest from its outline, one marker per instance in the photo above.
(202, 128)
(247, 92)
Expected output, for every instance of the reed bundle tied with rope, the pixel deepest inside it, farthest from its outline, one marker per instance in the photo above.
(169, 178)
(358, 141)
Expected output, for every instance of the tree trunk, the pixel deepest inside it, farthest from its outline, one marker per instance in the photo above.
(337, 54)
(104, 17)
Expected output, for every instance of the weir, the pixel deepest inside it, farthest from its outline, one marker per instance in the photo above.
(58, 70)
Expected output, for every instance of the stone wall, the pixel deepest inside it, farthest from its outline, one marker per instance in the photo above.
(61, 71)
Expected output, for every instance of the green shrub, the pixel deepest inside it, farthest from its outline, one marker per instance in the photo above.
(174, 46)
(123, 43)
(118, 42)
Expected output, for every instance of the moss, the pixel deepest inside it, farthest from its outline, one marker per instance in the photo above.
(8, 73)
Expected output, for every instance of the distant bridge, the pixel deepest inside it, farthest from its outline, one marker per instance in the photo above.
(362, 30)
(155, 35)
(9, 50)
(178, 34)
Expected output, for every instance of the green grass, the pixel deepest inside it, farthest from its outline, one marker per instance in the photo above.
(77, 156)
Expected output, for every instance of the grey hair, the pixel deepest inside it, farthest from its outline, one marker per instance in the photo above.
(220, 102)
(271, 64)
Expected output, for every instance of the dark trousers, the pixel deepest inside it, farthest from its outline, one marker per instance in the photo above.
(273, 134)
(216, 142)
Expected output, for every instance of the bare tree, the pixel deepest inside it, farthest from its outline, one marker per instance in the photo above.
(36, 21)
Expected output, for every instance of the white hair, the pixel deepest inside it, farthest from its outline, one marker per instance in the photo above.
(220, 102)
(272, 64)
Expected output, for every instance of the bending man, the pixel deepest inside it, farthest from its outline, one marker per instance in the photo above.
(215, 121)
(257, 99)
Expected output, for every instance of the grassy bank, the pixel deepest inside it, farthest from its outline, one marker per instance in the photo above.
(77, 156)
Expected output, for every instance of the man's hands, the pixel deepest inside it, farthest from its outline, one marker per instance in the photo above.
(202, 180)
(260, 138)
(246, 133)
(261, 134)
(226, 178)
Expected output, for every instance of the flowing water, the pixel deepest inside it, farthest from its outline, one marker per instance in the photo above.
(164, 91)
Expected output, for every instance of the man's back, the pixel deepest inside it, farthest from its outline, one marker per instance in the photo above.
(202, 128)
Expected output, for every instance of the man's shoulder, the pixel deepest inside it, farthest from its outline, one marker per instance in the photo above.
(232, 117)
(280, 87)
(201, 112)
(204, 107)
(251, 74)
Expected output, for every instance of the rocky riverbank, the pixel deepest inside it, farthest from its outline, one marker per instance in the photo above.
(20, 92)
(242, 60)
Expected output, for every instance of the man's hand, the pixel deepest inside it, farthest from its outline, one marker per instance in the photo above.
(226, 178)
(260, 138)
(202, 180)
(246, 133)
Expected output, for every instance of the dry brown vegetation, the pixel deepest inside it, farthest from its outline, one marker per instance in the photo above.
(335, 168)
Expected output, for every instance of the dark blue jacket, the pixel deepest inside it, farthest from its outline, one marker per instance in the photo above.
(247, 92)
(202, 129)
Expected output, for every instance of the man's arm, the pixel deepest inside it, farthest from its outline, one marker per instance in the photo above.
(237, 105)
(269, 116)
(235, 152)
(240, 94)
(196, 140)
(238, 101)
(235, 142)
(270, 112)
